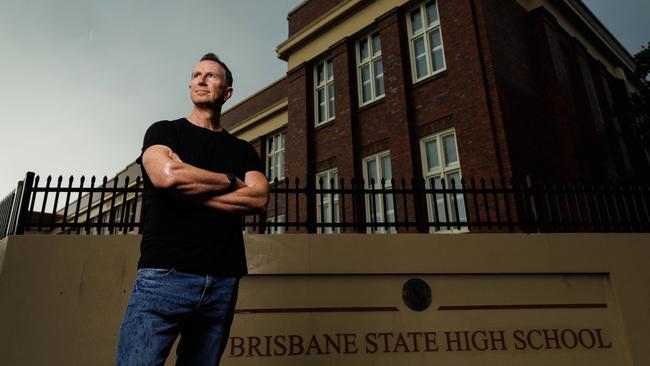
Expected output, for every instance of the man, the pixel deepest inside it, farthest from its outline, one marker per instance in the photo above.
(198, 181)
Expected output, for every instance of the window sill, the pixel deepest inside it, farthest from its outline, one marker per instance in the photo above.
(369, 105)
(280, 181)
(428, 79)
(324, 124)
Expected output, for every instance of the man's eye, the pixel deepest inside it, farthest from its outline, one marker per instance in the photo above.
(211, 75)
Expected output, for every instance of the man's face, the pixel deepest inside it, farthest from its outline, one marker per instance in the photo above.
(208, 84)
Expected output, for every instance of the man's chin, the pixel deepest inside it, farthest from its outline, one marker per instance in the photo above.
(207, 104)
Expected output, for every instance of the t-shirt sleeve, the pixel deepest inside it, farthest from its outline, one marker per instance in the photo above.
(252, 159)
(159, 133)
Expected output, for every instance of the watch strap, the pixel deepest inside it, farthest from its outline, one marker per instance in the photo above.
(233, 181)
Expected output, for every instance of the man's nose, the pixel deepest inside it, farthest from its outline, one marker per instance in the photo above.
(202, 79)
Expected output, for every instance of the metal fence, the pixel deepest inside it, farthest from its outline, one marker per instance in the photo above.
(114, 207)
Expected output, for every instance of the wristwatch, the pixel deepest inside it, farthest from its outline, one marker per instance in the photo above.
(233, 181)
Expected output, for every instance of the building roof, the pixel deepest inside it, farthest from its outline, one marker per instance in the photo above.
(261, 100)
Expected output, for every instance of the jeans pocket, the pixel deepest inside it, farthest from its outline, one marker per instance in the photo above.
(154, 273)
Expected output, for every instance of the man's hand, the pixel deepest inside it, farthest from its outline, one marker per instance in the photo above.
(175, 157)
(252, 197)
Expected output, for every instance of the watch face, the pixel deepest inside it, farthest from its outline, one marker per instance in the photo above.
(232, 178)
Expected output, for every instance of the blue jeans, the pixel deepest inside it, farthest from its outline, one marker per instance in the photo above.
(165, 303)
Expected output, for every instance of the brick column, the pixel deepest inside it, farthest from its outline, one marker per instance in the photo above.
(558, 113)
(345, 106)
(345, 125)
(297, 141)
(403, 140)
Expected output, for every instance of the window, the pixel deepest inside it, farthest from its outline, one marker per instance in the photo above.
(440, 161)
(106, 220)
(370, 70)
(275, 157)
(380, 208)
(93, 228)
(324, 92)
(425, 39)
(271, 228)
(327, 204)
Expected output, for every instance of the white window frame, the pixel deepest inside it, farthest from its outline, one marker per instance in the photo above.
(330, 201)
(270, 227)
(370, 61)
(275, 156)
(443, 170)
(328, 93)
(379, 203)
(424, 33)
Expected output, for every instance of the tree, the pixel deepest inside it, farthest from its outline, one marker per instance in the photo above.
(641, 99)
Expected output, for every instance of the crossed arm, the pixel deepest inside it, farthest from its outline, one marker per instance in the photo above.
(167, 171)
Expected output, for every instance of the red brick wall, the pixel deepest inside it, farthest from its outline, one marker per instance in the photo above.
(263, 99)
(511, 46)
(457, 97)
(552, 97)
(307, 12)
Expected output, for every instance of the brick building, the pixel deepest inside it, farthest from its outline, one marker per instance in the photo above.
(433, 90)
(446, 89)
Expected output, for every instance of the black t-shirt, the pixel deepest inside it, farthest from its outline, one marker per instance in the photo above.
(183, 235)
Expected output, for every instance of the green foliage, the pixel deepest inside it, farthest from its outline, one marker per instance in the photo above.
(641, 99)
(642, 59)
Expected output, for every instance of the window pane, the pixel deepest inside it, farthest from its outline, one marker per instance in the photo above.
(387, 172)
(449, 145)
(321, 105)
(330, 70)
(326, 213)
(460, 200)
(330, 107)
(390, 211)
(371, 167)
(269, 164)
(363, 49)
(320, 75)
(438, 60)
(421, 67)
(269, 146)
(336, 213)
(433, 161)
(435, 41)
(456, 180)
(416, 20)
(365, 83)
(440, 200)
(281, 138)
(376, 44)
(432, 13)
(322, 182)
(379, 78)
(281, 164)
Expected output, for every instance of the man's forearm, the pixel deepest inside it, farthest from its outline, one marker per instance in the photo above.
(189, 180)
(167, 171)
(242, 201)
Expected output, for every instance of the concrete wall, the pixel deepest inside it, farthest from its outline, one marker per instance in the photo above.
(570, 299)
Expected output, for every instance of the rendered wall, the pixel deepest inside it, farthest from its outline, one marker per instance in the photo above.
(571, 299)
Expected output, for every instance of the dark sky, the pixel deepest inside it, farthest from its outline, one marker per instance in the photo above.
(627, 20)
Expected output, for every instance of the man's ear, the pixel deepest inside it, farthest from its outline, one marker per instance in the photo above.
(228, 94)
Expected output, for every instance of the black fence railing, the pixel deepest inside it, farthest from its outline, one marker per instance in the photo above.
(113, 207)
